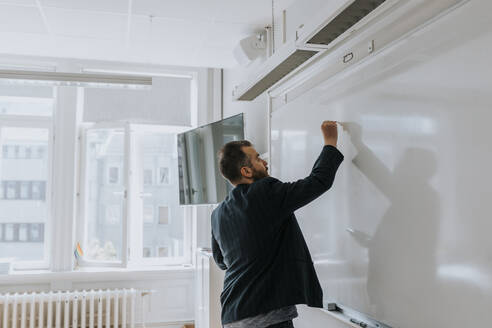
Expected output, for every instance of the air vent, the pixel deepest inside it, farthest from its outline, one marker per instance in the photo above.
(344, 21)
(387, 20)
(297, 54)
(287, 63)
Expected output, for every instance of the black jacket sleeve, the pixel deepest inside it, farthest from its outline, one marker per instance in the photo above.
(218, 258)
(290, 196)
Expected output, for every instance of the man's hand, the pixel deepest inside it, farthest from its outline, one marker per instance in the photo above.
(330, 132)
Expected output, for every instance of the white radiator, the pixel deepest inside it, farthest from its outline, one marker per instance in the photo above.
(72, 309)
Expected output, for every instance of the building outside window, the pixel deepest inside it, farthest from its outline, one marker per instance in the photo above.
(26, 117)
(158, 151)
(143, 205)
(104, 203)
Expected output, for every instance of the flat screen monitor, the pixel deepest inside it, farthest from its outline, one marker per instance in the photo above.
(200, 181)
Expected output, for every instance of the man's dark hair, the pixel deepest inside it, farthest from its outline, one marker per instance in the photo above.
(232, 158)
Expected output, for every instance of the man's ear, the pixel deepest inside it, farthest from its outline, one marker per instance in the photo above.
(246, 172)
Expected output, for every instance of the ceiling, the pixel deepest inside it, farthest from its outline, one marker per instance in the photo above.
(170, 32)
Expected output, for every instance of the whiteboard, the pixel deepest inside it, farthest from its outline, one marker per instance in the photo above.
(404, 235)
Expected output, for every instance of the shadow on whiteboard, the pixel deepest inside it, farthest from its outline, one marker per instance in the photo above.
(401, 253)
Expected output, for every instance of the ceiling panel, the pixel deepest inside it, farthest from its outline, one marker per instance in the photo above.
(246, 12)
(21, 19)
(180, 54)
(232, 11)
(182, 9)
(115, 6)
(88, 48)
(16, 43)
(172, 32)
(86, 24)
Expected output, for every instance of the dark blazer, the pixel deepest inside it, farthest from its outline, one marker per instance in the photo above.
(256, 238)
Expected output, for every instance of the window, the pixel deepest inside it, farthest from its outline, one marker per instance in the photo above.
(23, 198)
(148, 214)
(143, 206)
(158, 153)
(163, 215)
(105, 200)
(164, 175)
(36, 232)
(10, 190)
(122, 196)
(28, 106)
(23, 232)
(9, 232)
(148, 177)
(113, 175)
(147, 252)
(25, 174)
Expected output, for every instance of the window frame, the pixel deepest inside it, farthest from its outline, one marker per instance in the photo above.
(133, 218)
(38, 122)
(81, 224)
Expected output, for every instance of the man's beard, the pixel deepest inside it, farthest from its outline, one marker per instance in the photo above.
(257, 174)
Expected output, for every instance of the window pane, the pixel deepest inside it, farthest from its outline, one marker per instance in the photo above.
(105, 194)
(23, 201)
(22, 232)
(9, 232)
(35, 232)
(148, 214)
(26, 100)
(148, 177)
(163, 217)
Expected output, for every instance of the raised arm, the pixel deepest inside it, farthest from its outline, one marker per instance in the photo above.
(292, 195)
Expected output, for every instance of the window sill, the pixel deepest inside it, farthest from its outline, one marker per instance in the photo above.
(98, 274)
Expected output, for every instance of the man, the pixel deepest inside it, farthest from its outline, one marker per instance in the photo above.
(256, 237)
